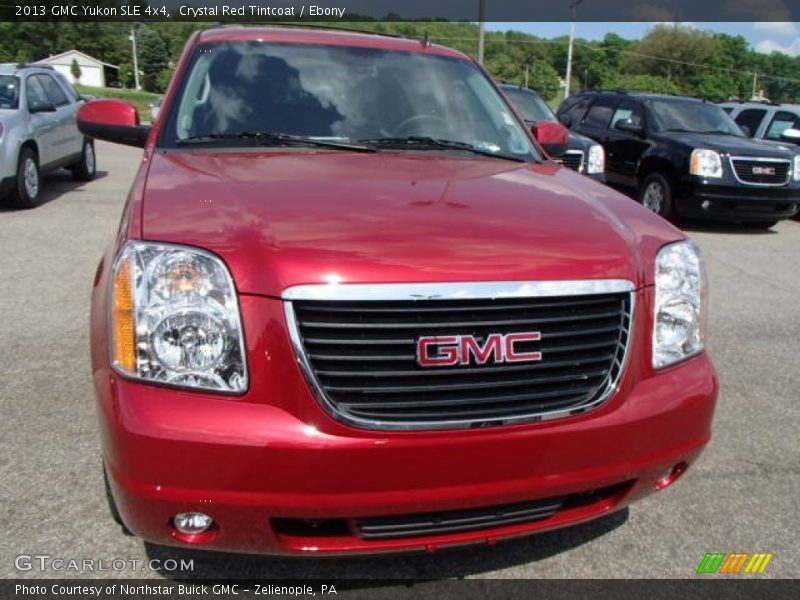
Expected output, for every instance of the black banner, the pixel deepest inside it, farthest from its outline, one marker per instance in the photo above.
(700, 589)
(245, 11)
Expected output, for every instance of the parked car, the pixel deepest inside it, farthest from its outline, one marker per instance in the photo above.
(774, 122)
(684, 156)
(155, 109)
(338, 323)
(38, 132)
(582, 154)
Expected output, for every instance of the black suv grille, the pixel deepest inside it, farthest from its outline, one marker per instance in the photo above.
(362, 358)
(573, 159)
(761, 172)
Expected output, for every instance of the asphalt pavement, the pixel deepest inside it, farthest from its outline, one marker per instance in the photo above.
(743, 495)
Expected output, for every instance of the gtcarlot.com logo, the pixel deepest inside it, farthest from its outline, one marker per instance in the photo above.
(46, 562)
(734, 563)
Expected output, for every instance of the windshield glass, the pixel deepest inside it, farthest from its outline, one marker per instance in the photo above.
(342, 94)
(530, 106)
(696, 117)
(9, 92)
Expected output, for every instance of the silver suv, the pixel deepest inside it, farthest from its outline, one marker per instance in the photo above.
(774, 122)
(38, 132)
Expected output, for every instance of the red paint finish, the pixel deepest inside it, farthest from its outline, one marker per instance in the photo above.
(109, 112)
(286, 217)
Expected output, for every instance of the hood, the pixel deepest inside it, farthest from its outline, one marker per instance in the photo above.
(732, 145)
(289, 218)
(576, 140)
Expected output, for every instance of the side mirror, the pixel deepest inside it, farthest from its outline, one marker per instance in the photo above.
(628, 126)
(746, 130)
(565, 120)
(114, 121)
(41, 107)
(552, 137)
(791, 135)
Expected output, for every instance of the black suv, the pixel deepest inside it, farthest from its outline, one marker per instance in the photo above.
(685, 156)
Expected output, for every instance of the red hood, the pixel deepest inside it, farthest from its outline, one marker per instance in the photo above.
(289, 218)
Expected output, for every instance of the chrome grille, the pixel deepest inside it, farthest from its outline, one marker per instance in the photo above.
(761, 171)
(360, 356)
(573, 159)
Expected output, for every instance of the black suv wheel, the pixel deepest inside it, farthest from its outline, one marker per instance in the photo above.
(655, 193)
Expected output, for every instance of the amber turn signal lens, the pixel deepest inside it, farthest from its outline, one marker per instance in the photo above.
(123, 324)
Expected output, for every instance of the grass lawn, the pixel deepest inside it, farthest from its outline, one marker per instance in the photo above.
(142, 100)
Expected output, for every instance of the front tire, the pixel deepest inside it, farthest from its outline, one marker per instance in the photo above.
(656, 194)
(86, 167)
(28, 186)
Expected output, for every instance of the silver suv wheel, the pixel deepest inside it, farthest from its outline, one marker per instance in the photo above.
(31, 177)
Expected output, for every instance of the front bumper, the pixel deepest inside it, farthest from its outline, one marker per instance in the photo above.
(275, 454)
(736, 203)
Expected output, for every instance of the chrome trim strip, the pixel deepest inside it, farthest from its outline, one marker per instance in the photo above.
(612, 384)
(731, 159)
(456, 291)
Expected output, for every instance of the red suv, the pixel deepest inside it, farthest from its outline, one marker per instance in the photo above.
(353, 308)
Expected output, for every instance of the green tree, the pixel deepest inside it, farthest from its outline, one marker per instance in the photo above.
(153, 58)
(75, 69)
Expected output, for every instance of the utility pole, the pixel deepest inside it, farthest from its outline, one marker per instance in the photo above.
(572, 5)
(755, 85)
(481, 28)
(526, 75)
(135, 60)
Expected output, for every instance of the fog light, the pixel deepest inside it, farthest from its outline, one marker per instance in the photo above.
(670, 476)
(192, 523)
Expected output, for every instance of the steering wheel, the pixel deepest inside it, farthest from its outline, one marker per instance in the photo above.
(410, 125)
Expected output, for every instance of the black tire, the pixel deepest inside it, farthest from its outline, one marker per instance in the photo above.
(27, 191)
(655, 193)
(86, 167)
(112, 505)
(759, 224)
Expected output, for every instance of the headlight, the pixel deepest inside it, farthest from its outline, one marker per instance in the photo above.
(796, 167)
(680, 305)
(596, 161)
(705, 163)
(175, 318)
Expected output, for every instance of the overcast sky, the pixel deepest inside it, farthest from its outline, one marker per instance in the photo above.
(763, 36)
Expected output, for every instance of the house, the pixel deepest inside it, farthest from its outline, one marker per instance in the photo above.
(94, 72)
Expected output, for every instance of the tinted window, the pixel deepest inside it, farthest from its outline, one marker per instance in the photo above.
(530, 105)
(751, 118)
(55, 94)
(600, 113)
(628, 110)
(575, 108)
(9, 92)
(692, 116)
(66, 85)
(728, 109)
(340, 93)
(35, 91)
(781, 122)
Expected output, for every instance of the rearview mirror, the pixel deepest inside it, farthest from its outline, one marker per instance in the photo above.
(41, 107)
(791, 135)
(628, 126)
(114, 121)
(552, 137)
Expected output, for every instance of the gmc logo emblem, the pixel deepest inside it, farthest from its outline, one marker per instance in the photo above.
(763, 170)
(447, 351)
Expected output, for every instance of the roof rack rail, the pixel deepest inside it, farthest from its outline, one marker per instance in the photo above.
(279, 24)
(24, 65)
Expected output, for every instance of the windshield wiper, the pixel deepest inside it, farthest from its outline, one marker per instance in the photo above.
(418, 142)
(273, 139)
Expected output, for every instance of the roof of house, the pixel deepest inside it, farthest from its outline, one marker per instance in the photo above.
(55, 57)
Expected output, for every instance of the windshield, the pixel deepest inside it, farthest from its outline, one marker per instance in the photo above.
(9, 92)
(530, 106)
(341, 94)
(695, 117)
